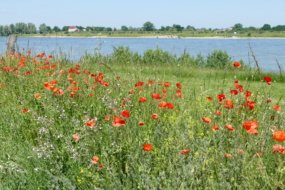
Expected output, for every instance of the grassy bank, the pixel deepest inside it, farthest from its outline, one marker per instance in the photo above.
(184, 34)
(128, 122)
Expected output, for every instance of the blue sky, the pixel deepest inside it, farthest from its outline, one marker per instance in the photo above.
(115, 13)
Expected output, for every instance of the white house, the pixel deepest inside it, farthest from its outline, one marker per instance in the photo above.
(73, 29)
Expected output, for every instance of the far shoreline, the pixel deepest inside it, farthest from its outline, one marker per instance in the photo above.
(158, 37)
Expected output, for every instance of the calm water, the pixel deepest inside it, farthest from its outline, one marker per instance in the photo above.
(265, 50)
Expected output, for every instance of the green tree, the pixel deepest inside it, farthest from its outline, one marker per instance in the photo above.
(279, 28)
(148, 26)
(21, 28)
(177, 27)
(65, 28)
(31, 28)
(190, 28)
(124, 28)
(56, 29)
(12, 27)
(238, 26)
(266, 27)
(43, 29)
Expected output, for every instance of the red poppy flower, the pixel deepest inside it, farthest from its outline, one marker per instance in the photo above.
(141, 123)
(229, 104)
(142, 99)
(76, 137)
(95, 160)
(147, 147)
(156, 96)
(217, 112)
(240, 151)
(215, 127)
(184, 151)
(276, 148)
(154, 116)
(229, 127)
(91, 123)
(267, 79)
(250, 126)
(118, 121)
(25, 110)
(228, 155)
(250, 105)
(139, 84)
(206, 120)
(162, 104)
(237, 64)
(150, 83)
(276, 107)
(234, 92)
(178, 85)
(169, 105)
(221, 97)
(209, 99)
(125, 113)
(268, 100)
(167, 84)
(279, 136)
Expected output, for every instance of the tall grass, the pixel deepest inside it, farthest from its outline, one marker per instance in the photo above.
(56, 116)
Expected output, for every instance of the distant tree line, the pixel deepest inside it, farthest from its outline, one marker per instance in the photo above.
(30, 28)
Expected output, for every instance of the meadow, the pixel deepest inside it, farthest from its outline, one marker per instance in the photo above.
(130, 121)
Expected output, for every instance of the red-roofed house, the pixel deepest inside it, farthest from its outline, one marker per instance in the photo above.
(73, 29)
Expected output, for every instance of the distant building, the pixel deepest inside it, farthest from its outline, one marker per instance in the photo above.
(73, 29)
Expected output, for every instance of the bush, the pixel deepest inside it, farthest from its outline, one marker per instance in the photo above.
(218, 59)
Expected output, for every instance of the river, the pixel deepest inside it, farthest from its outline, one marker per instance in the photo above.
(267, 51)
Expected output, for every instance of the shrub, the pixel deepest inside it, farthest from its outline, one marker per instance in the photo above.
(218, 59)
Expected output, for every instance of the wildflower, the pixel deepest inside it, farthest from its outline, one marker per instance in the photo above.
(125, 113)
(268, 80)
(76, 137)
(276, 148)
(25, 110)
(229, 104)
(167, 84)
(250, 105)
(142, 99)
(221, 97)
(141, 123)
(184, 151)
(107, 118)
(215, 127)
(154, 116)
(229, 127)
(169, 106)
(228, 155)
(250, 126)
(234, 92)
(206, 119)
(147, 147)
(217, 112)
(139, 84)
(90, 123)
(162, 104)
(150, 83)
(95, 160)
(276, 107)
(240, 151)
(178, 93)
(279, 136)
(209, 99)
(237, 64)
(72, 94)
(118, 121)
(156, 96)
(37, 95)
(178, 85)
